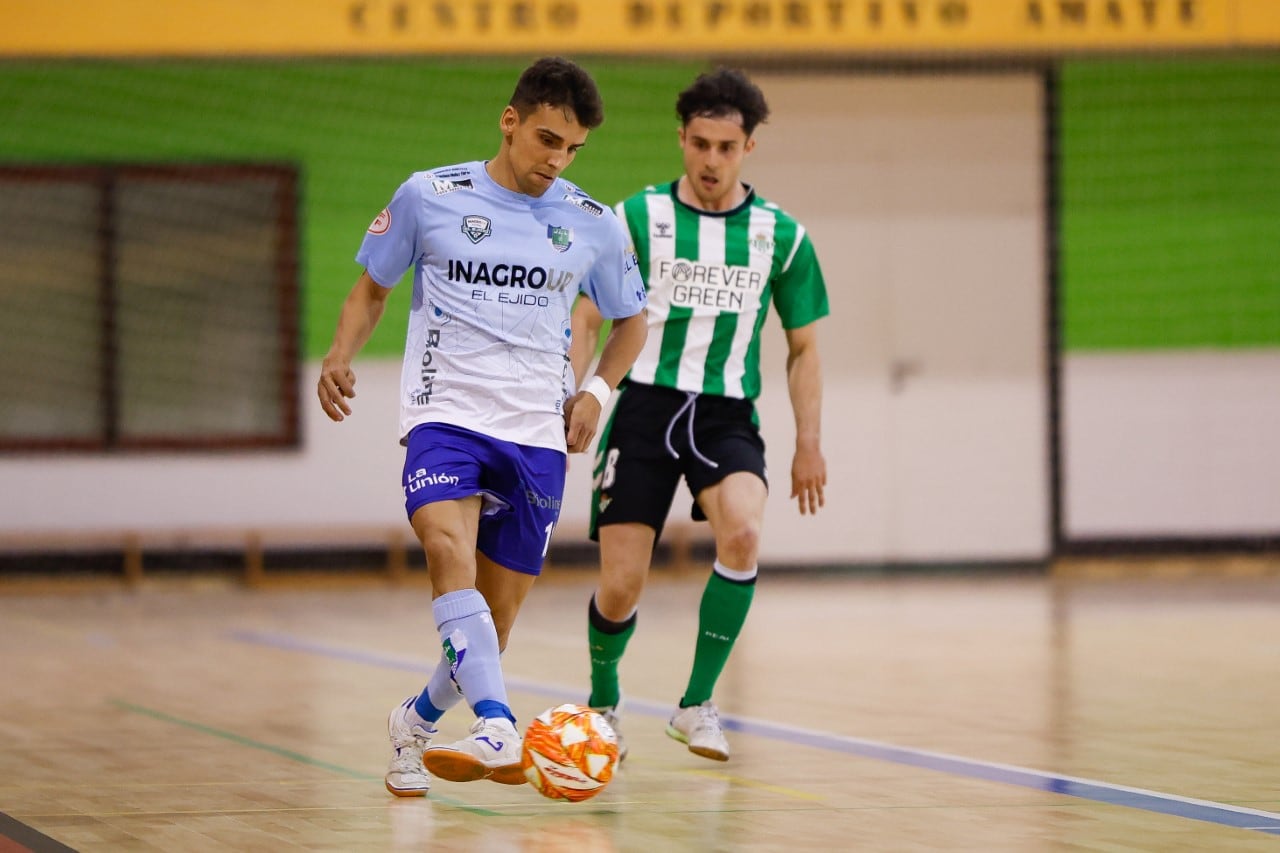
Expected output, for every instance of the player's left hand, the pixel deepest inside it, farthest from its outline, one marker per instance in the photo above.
(581, 417)
(809, 479)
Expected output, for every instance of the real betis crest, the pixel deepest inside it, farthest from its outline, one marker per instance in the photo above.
(559, 238)
(761, 243)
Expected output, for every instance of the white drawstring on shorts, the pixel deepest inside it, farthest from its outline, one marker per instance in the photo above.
(690, 406)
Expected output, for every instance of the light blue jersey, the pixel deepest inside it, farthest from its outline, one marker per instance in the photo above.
(495, 276)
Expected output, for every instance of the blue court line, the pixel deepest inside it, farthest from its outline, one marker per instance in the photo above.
(1222, 814)
(1039, 780)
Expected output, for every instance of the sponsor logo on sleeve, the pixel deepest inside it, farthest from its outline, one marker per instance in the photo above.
(381, 222)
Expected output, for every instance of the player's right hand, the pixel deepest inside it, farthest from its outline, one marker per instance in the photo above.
(581, 417)
(337, 384)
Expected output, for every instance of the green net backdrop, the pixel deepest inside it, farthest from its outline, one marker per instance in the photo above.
(355, 129)
(1170, 180)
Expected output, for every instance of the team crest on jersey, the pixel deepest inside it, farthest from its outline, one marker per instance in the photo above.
(476, 228)
(443, 187)
(381, 222)
(761, 243)
(585, 203)
(559, 238)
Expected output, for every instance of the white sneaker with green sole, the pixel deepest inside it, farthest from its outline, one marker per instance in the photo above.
(699, 727)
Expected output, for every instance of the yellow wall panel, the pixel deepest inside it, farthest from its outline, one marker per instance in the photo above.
(529, 27)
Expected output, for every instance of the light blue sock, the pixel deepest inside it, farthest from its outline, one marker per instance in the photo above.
(471, 650)
(440, 694)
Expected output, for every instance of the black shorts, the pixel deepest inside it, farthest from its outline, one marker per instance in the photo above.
(645, 449)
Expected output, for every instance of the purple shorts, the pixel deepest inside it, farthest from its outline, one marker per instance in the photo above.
(521, 488)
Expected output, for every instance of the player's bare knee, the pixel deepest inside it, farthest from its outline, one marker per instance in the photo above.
(738, 544)
(617, 602)
(445, 547)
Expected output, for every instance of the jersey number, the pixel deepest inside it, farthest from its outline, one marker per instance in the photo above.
(610, 472)
(546, 545)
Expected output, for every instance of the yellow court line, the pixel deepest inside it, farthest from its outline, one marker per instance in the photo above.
(762, 786)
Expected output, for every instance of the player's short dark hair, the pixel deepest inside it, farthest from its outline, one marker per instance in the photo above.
(722, 93)
(558, 82)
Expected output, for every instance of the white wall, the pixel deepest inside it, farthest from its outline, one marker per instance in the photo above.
(924, 198)
(346, 474)
(1171, 444)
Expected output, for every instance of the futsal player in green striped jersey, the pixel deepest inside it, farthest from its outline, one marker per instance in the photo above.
(714, 255)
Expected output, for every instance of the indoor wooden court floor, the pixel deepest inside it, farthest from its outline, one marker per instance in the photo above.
(867, 713)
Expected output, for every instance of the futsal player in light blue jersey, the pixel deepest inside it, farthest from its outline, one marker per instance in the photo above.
(488, 409)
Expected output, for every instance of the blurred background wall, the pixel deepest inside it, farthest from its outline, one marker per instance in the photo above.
(1051, 233)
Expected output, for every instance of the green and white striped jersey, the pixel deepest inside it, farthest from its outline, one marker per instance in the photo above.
(710, 278)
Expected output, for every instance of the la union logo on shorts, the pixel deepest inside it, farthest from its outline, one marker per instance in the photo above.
(476, 228)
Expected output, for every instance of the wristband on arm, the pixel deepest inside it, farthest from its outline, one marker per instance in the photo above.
(598, 388)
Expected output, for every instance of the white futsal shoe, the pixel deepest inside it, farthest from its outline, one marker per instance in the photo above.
(406, 776)
(491, 751)
(613, 715)
(699, 727)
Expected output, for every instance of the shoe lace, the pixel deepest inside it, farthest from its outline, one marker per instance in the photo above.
(493, 728)
(411, 737)
(708, 718)
(408, 757)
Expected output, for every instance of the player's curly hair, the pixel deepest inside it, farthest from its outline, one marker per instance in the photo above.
(558, 82)
(722, 93)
